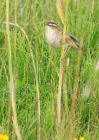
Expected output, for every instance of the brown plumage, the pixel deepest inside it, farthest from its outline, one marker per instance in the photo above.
(72, 41)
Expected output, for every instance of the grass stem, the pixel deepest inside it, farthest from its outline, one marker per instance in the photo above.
(11, 77)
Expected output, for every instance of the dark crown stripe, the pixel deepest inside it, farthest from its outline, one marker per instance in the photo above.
(51, 24)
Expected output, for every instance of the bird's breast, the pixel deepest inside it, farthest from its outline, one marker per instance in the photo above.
(50, 36)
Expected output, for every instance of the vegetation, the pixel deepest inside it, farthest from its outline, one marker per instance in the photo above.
(29, 69)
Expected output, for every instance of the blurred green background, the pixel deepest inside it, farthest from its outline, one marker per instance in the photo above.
(31, 16)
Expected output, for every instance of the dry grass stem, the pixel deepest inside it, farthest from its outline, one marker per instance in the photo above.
(11, 79)
(37, 87)
(75, 94)
(63, 19)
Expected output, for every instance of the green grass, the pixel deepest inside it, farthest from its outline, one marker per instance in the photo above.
(83, 23)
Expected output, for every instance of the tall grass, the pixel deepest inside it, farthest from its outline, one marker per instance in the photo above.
(59, 96)
(34, 70)
(11, 77)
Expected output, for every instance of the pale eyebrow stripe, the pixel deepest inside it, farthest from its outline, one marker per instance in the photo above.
(52, 24)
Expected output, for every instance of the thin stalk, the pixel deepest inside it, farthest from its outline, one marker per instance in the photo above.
(75, 94)
(37, 99)
(60, 81)
(38, 109)
(15, 20)
(59, 95)
(11, 77)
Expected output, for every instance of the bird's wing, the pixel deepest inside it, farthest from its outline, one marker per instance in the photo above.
(71, 40)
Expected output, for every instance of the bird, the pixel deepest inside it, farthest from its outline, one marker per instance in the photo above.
(53, 36)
